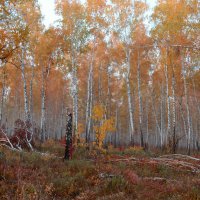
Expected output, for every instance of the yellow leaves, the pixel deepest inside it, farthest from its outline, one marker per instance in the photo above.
(98, 112)
(172, 18)
(108, 126)
(103, 125)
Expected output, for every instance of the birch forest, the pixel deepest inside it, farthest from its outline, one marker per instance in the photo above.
(111, 82)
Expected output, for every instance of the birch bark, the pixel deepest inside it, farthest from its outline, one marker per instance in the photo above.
(187, 105)
(89, 102)
(174, 110)
(45, 74)
(43, 108)
(168, 98)
(130, 108)
(75, 96)
(140, 100)
(26, 106)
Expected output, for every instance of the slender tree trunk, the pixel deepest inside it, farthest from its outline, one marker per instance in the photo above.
(43, 126)
(74, 96)
(89, 103)
(108, 100)
(108, 103)
(130, 108)
(100, 83)
(43, 108)
(168, 98)
(26, 106)
(68, 138)
(182, 117)
(174, 111)
(140, 100)
(187, 106)
(161, 116)
(116, 125)
(147, 123)
(154, 112)
(31, 95)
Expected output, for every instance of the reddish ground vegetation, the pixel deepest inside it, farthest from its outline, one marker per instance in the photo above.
(112, 174)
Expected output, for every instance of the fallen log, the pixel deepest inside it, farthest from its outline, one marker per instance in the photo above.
(181, 156)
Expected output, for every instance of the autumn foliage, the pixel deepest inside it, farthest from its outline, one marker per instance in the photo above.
(103, 125)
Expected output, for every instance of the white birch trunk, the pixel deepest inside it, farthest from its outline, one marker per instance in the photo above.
(43, 108)
(130, 108)
(31, 95)
(187, 105)
(100, 84)
(108, 100)
(154, 111)
(174, 111)
(168, 100)
(45, 74)
(75, 96)
(182, 117)
(161, 116)
(140, 99)
(116, 125)
(26, 106)
(89, 102)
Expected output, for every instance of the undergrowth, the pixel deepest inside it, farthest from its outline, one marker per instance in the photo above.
(32, 175)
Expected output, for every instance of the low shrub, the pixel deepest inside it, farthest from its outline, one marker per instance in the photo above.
(115, 185)
(69, 186)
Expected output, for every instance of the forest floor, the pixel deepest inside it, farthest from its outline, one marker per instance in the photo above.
(101, 175)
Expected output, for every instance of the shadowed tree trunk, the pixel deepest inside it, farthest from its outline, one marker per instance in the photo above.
(68, 138)
(174, 111)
